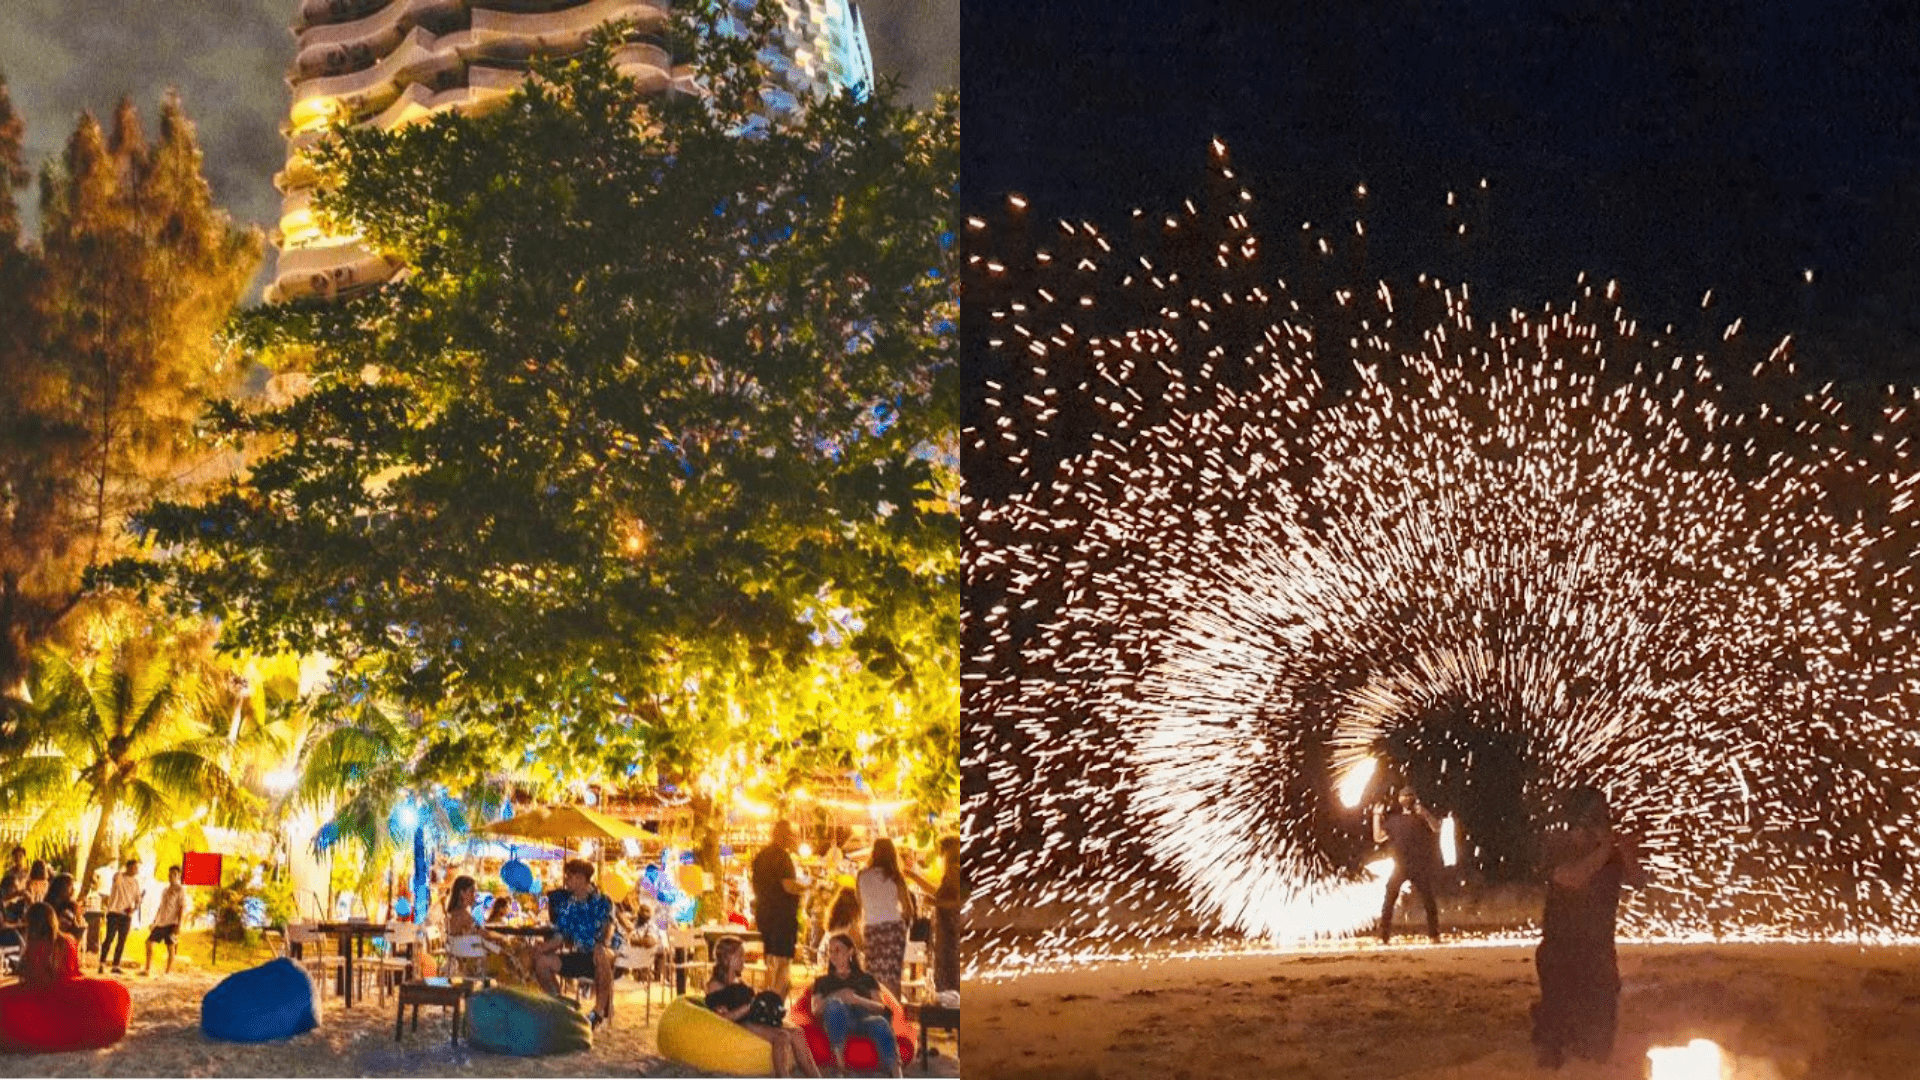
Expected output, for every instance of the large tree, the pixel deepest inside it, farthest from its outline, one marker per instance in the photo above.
(668, 388)
(108, 351)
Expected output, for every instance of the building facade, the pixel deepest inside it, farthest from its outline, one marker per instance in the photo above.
(386, 63)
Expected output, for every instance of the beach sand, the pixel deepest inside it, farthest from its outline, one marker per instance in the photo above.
(1446, 1012)
(164, 1040)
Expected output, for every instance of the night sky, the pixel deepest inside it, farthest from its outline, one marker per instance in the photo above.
(229, 60)
(1675, 147)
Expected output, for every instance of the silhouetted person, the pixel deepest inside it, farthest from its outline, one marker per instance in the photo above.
(1413, 835)
(1579, 974)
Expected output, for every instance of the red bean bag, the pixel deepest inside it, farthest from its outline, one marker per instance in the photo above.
(72, 1014)
(861, 1053)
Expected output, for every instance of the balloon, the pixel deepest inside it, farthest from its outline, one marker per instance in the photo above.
(403, 907)
(693, 879)
(518, 876)
(617, 884)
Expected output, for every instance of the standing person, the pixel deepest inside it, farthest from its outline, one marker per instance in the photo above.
(776, 904)
(1413, 834)
(122, 901)
(948, 899)
(847, 1000)
(167, 919)
(887, 908)
(584, 947)
(38, 880)
(1579, 1005)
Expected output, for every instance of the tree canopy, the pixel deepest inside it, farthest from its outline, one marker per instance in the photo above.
(666, 399)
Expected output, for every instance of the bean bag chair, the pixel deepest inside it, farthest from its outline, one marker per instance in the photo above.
(526, 1023)
(861, 1053)
(273, 1001)
(72, 1014)
(695, 1035)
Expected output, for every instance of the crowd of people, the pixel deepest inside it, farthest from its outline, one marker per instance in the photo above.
(27, 886)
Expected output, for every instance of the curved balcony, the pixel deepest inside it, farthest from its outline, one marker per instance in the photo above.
(324, 12)
(298, 227)
(420, 57)
(330, 270)
(344, 47)
(565, 30)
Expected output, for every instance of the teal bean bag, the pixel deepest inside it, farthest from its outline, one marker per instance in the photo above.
(526, 1023)
(273, 1001)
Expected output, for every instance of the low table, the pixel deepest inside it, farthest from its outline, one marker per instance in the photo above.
(933, 1016)
(433, 991)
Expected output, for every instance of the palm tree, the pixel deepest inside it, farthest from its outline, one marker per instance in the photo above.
(122, 723)
(387, 786)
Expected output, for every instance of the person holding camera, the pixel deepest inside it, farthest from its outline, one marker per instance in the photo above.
(1412, 833)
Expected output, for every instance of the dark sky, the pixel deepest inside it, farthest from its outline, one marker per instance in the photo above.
(229, 60)
(1676, 147)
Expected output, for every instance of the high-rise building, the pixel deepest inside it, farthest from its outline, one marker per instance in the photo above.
(390, 62)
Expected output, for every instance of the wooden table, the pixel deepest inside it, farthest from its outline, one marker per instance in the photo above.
(353, 938)
(510, 930)
(933, 1016)
(433, 991)
(715, 933)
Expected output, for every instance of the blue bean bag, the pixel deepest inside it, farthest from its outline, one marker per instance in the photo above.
(524, 1023)
(273, 1001)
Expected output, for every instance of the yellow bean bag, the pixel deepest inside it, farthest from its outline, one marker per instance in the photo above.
(695, 1035)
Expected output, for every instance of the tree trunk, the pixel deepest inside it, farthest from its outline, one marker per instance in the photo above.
(97, 854)
(709, 818)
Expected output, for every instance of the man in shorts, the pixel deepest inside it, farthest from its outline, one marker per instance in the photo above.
(167, 919)
(776, 904)
(587, 941)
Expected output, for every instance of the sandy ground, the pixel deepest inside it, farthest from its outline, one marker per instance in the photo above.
(164, 1040)
(1446, 1012)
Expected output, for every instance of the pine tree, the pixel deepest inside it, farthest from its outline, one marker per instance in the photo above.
(113, 342)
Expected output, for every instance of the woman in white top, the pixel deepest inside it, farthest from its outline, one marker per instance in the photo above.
(888, 909)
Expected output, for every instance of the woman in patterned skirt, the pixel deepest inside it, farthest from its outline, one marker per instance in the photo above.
(888, 909)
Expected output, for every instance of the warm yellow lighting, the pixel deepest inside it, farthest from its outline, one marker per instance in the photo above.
(806, 851)
(1698, 1060)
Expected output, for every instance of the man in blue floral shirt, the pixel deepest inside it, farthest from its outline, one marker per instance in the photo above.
(588, 938)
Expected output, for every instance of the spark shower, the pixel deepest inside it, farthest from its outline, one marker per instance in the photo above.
(1240, 523)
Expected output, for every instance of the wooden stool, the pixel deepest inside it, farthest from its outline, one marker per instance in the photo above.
(934, 1016)
(432, 991)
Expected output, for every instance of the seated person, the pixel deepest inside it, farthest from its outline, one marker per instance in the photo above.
(584, 947)
(66, 909)
(502, 908)
(50, 956)
(848, 1002)
(729, 996)
(506, 959)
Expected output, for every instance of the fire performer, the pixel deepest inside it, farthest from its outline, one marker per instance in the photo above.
(1413, 834)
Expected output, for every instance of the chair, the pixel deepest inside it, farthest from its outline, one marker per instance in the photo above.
(638, 958)
(688, 948)
(467, 955)
(9, 959)
(313, 953)
(914, 973)
(392, 969)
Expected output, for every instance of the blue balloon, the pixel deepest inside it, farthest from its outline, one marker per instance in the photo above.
(518, 876)
(402, 907)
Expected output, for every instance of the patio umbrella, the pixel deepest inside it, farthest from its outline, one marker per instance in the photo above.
(563, 823)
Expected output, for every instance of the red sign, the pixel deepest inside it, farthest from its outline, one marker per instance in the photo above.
(200, 868)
